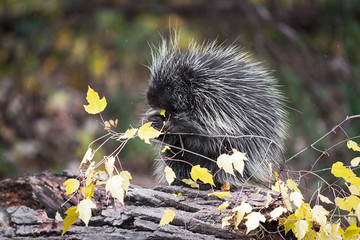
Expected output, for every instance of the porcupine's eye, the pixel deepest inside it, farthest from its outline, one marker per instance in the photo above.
(168, 89)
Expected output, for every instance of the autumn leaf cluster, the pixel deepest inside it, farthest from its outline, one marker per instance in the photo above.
(305, 221)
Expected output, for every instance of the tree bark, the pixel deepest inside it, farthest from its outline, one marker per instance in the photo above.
(28, 206)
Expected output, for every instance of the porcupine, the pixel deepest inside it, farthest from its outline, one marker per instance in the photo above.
(212, 93)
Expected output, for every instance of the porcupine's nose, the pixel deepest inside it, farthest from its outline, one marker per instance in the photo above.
(152, 99)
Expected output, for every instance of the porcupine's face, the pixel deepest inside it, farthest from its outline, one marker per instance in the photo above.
(170, 86)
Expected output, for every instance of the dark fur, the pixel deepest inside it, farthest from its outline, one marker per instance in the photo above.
(214, 90)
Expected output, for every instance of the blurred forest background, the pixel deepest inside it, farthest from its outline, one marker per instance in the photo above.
(50, 51)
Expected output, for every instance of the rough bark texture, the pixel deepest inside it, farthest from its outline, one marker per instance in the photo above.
(28, 206)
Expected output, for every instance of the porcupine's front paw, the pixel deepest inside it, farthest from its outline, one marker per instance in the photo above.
(156, 119)
(172, 126)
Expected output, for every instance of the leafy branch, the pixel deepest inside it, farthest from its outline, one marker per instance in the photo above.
(304, 220)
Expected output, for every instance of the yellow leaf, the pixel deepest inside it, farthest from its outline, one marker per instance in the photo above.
(220, 194)
(319, 214)
(355, 162)
(241, 210)
(338, 170)
(167, 217)
(88, 191)
(191, 183)
(277, 212)
(281, 187)
(238, 159)
(353, 145)
(300, 229)
(312, 235)
(325, 199)
(114, 186)
(352, 219)
(147, 132)
(337, 229)
(96, 105)
(354, 181)
(327, 229)
(351, 232)
(177, 195)
(84, 210)
(71, 185)
(292, 185)
(109, 165)
(296, 198)
(165, 148)
(331, 231)
(347, 203)
(341, 203)
(224, 205)
(130, 133)
(353, 189)
(126, 177)
(90, 178)
(202, 174)
(268, 200)
(226, 221)
(70, 219)
(90, 170)
(230, 162)
(58, 217)
(169, 175)
(162, 112)
(304, 212)
(289, 222)
(288, 204)
(88, 156)
(253, 221)
(357, 212)
(224, 161)
(100, 183)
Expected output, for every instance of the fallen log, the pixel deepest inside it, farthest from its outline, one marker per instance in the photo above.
(28, 206)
